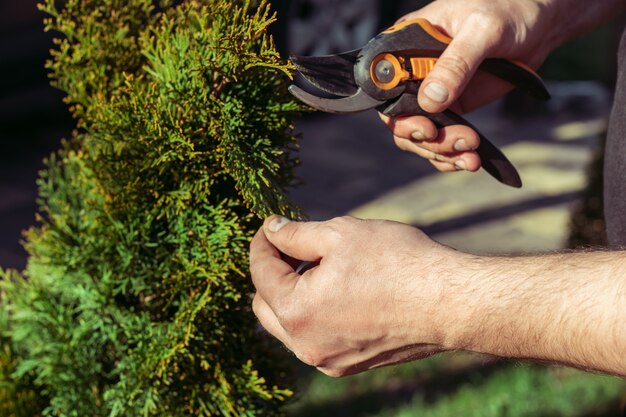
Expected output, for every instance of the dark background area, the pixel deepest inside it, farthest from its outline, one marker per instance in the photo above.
(33, 119)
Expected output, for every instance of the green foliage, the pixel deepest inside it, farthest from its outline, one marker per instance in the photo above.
(135, 299)
(18, 398)
(525, 391)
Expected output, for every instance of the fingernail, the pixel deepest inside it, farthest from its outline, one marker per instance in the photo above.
(437, 92)
(461, 145)
(278, 223)
(418, 135)
(460, 165)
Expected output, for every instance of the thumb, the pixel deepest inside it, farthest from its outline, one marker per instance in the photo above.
(306, 241)
(454, 69)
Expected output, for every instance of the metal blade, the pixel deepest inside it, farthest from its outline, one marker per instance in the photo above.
(333, 74)
(355, 103)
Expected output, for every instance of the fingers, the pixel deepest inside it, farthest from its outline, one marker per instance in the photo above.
(273, 278)
(449, 139)
(458, 161)
(451, 148)
(306, 241)
(268, 319)
(455, 67)
(453, 139)
(469, 162)
(412, 127)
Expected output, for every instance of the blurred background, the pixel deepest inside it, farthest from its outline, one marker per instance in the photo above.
(350, 165)
(33, 119)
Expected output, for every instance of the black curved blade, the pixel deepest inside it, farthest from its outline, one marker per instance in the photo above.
(333, 74)
(355, 103)
(492, 159)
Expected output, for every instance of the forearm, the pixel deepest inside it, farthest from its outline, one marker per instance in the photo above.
(574, 17)
(563, 308)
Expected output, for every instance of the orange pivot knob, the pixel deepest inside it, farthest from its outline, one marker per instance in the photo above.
(387, 71)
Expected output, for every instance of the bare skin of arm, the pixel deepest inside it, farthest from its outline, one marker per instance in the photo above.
(384, 293)
(524, 30)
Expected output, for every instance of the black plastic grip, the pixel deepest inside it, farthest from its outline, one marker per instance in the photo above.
(413, 40)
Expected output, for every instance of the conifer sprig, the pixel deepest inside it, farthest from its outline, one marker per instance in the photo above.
(135, 298)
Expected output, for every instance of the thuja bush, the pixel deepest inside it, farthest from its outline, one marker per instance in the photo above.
(135, 298)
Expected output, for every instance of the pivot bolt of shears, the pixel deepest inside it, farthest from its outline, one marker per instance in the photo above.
(387, 71)
(384, 71)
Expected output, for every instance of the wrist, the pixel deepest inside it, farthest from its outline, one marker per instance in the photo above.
(509, 308)
(468, 291)
(457, 306)
(428, 309)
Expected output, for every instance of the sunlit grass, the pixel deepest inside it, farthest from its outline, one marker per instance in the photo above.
(461, 385)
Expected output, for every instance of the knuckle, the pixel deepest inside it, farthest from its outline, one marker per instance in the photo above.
(292, 318)
(309, 356)
(255, 305)
(482, 18)
(343, 221)
(455, 66)
(290, 234)
(488, 24)
(333, 372)
(425, 151)
(255, 271)
(498, 31)
(335, 229)
(434, 148)
(254, 246)
(259, 271)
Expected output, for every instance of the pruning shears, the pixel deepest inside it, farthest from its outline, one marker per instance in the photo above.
(386, 75)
